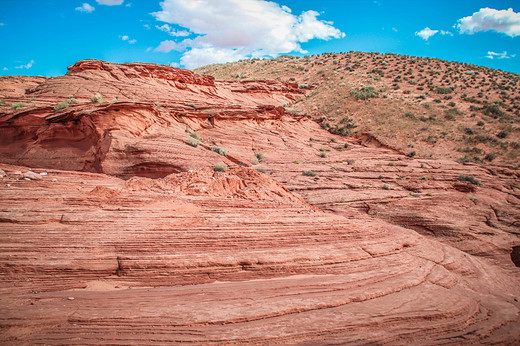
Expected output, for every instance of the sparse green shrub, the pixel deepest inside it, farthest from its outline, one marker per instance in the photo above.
(350, 162)
(220, 167)
(97, 99)
(490, 157)
(309, 173)
(260, 157)
(194, 135)
(443, 90)
(18, 105)
(192, 141)
(386, 187)
(254, 161)
(365, 93)
(411, 154)
(502, 134)
(62, 105)
(261, 170)
(493, 110)
(470, 179)
(450, 114)
(219, 151)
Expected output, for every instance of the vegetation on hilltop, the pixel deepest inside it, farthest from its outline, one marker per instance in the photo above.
(432, 107)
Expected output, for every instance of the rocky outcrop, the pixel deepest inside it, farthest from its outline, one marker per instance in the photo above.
(116, 228)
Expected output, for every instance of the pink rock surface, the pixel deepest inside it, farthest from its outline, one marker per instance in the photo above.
(132, 238)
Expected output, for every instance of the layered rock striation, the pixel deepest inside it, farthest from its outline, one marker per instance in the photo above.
(115, 227)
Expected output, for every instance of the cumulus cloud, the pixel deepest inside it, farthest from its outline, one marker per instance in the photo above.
(426, 33)
(110, 2)
(85, 8)
(26, 66)
(172, 32)
(503, 55)
(503, 21)
(446, 33)
(230, 30)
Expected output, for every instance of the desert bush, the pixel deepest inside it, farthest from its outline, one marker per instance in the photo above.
(493, 110)
(309, 173)
(219, 151)
(97, 99)
(260, 157)
(261, 170)
(502, 134)
(193, 142)
(62, 105)
(443, 90)
(470, 179)
(18, 105)
(365, 93)
(220, 167)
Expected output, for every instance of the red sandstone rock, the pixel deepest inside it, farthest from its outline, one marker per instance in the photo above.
(155, 247)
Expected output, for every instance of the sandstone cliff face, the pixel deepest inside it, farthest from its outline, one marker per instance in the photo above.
(125, 234)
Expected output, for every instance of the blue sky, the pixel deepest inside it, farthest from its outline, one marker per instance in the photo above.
(43, 37)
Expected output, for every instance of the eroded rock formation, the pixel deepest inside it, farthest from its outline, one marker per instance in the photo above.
(123, 233)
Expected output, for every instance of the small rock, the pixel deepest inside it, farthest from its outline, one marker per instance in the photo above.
(2, 173)
(8, 185)
(43, 173)
(32, 176)
(70, 298)
(54, 179)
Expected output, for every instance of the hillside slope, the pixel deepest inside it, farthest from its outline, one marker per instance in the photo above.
(429, 107)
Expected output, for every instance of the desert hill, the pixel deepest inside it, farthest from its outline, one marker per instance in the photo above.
(146, 204)
(429, 107)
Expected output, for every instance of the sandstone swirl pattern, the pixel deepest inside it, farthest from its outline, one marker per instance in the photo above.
(132, 238)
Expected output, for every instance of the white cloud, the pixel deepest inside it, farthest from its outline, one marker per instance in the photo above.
(127, 38)
(110, 2)
(169, 45)
(229, 30)
(85, 8)
(448, 33)
(2, 24)
(503, 55)
(146, 26)
(5, 69)
(26, 66)
(174, 64)
(503, 21)
(426, 33)
(168, 29)
(394, 29)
